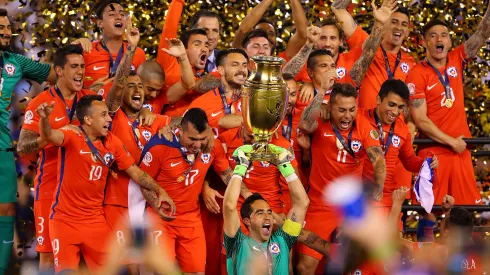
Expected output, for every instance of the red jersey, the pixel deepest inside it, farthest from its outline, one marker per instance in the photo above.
(212, 104)
(399, 149)
(330, 160)
(377, 73)
(423, 82)
(98, 64)
(164, 162)
(158, 104)
(262, 176)
(122, 127)
(79, 194)
(300, 105)
(45, 180)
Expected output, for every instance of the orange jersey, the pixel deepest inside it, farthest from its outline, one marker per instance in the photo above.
(399, 149)
(45, 180)
(157, 105)
(117, 189)
(423, 82)
(164, 162)
(212, 104)
(262, 176)
(98, 64)
(82, 177)
(330, 160)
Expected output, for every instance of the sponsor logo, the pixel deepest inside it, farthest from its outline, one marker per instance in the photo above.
(215, 114)
(327, 135)
(83, 152)
(98, 68)
(374, 134)
(58, 118)
(174, 164)
(431, 86)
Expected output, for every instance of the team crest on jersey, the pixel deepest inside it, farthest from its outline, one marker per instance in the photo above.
(10, 69)
(356, 145)
(341, 71)
(147, 159)
(374, 134)
(101, 92)
(146, 135)
(411, 88)
(274, 248)
(108, 158)
(28, 117)
(396, 141)
(239, 107)
(148, 106)
(40, 240)
(452, 71)
(405, 67)
(358, 272)
(265, 164)
(205, 158)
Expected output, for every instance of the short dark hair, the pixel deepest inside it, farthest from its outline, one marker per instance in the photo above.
(4, 12)
(432, 23)
(462, 219)
(202, 13)
(186, 36)
(253, 34)
(344, 90)
(197, 117)
(404, 10)
(267, 21)
(311, 63)
(99, 7)
(61, 54)
(246, 209)
(222, 55)
(287, 76)
(395, 86)
(330, 21)
(84, 104)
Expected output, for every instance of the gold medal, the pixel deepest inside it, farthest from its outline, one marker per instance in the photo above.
(449, 103)
(339, 144)
(191, 158)
(114, 174)
(180, 178)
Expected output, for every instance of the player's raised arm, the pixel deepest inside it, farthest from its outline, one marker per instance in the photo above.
(308, 122)
(477, 40)
(47, 134)
(232, 193)
(377, 158)
(206, 83)
(346, 22)
(381, 15)
(249, 22)
(301, 24)
(187, 80)
(114, 97)
(29, 142)
(295, 65)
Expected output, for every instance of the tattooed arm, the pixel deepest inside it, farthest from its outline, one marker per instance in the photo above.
(206, 83)
(301, 24)
(299, 200)
(377, 158)
(308, 123)
(230, 214)
(346, 22)
(142, 178)
(114, 97)
(477, 40)
(29, 142)
(295, 65)
(249, 22)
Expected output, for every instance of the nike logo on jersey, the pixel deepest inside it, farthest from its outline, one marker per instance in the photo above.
(255, 248)
(83, 152)
(175, 164)
(98, 68)
(478, 201)
(215, 114)
(430, 87)
(327, 135)
(58, 118)
(4, 241)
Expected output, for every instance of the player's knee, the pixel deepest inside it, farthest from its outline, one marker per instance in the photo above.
(7, 209)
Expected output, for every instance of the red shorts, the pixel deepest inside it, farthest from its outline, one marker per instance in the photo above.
(455, 176)
(186, 245)
(41, 217)
(321, 220)
(118, 219)
(71, 239)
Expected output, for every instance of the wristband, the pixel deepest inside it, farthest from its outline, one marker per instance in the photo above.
(237, 176)
(240, 170)
(286, 169)
(291, 178)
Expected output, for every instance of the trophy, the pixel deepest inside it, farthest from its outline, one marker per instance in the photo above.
(264, 103)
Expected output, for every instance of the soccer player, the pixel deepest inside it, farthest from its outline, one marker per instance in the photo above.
(208, 21)
(256, 213)
(103, 57)
(339, 147)
(395, 137)
(180, 167)
(76, 222)
(223, 105)
(13, 68)
(256, 43)
(437, 107)
(70, 68)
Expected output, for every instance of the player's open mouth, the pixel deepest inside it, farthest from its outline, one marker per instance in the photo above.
(78, 80)
(118, 25)
(266, 229)
(391, 116)
(439, 48)
(106, 127)
(397, 34)
(136, 99)
(344, 124)
(202, 58)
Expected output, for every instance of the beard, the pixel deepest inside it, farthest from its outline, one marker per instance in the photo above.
(234, 85)
(6, 47)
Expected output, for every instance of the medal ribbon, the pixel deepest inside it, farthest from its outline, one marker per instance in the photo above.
(113, 65)
(391, 74)
(287, 133)
(381, 132)
(134, 125)
(95, 151)
(69, 111)
(443, 79)
(342, 140)
(226, 106)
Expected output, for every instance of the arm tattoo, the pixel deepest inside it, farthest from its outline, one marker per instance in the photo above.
(145, 181)
(416, 103)
(341, 4)
(207, 83)
(360, 68)
(95, 87)
(28, 142)
(226, 176)
(150, 196)
(114, 97)
(374, 152)
(293, 217)
(295, 65)
(175, 121)
(310, 114)
(311, 238)
(476, 41)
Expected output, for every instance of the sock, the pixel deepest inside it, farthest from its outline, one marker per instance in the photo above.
(6, 240)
